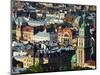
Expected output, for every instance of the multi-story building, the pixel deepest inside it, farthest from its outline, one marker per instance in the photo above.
(65, 35)
(26, 60)
(24, 33)
(83, 51)
(27, 33)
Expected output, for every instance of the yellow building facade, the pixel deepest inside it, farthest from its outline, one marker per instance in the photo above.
(26, 60)
(24, 33)
(65, 34)
(18, 32)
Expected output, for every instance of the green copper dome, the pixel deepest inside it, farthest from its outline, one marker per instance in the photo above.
(83, 25)
(74, 59)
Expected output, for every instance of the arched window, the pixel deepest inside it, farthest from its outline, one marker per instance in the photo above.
(66, 35)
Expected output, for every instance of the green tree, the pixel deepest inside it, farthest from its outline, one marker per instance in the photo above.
(33, 69)
(36, 68)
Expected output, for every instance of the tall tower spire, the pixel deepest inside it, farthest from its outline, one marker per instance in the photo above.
(80, 50)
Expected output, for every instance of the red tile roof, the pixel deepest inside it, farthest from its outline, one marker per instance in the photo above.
(27, 28)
